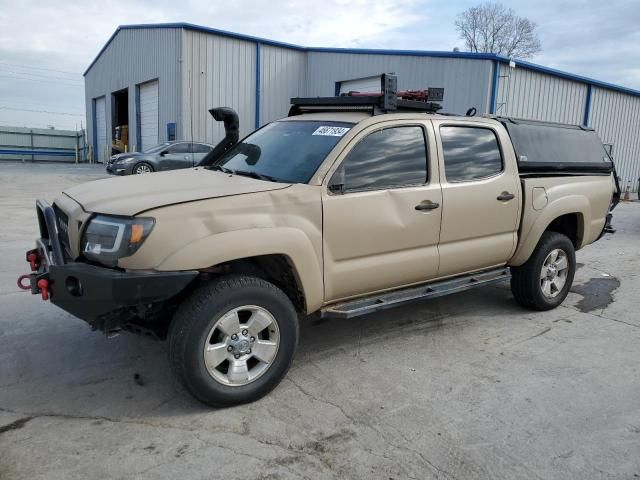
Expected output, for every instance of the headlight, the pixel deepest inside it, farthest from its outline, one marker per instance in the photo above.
(107, 239)
(124, 160)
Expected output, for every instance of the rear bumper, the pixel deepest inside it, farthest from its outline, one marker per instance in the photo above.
(105, 298)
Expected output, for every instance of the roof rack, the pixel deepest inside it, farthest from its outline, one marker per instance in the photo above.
(389, 99)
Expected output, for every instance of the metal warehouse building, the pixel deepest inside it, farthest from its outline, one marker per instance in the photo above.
(160, 80)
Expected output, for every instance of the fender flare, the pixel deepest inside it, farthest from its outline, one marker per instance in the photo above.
(223, 247)
(572, 204)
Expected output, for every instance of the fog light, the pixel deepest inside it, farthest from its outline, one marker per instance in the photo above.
(74, 287)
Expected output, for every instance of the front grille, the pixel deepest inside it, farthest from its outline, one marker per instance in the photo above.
(62, 220)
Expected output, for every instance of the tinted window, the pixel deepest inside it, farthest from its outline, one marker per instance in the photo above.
(157, 148)
(392, 157)
(179, 148)
(287, 151)
(200, 148)
(470, 153)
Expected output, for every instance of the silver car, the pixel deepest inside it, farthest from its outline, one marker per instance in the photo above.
(165, 156)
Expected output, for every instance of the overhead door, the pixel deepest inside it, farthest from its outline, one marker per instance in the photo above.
(148, 115)
(101, 129)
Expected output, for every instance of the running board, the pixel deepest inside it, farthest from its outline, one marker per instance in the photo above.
(382, 301)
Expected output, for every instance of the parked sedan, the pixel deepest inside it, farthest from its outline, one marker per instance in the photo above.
(165, 156)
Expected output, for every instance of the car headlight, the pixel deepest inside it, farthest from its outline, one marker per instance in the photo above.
(107, 239)
(124, 160)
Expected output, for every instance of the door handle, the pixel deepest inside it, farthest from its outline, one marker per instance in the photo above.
(427, 205)
(505, 196)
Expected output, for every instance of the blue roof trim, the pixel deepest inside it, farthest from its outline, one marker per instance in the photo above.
(409, 53)
(369, 51)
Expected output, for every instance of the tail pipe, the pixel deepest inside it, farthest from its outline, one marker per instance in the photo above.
(231, 130)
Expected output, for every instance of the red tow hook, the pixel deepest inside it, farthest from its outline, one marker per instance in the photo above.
(43, 285)
(32, 258)
(21, 279)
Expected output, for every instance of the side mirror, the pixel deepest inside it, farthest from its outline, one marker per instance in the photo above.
(336, 184)
(164, 152)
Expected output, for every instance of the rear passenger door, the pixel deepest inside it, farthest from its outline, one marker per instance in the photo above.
(199, 150)
(480, 196)
(381, 211)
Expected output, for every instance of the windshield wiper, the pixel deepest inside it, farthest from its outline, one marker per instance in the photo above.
(221, 169)
(259, 176)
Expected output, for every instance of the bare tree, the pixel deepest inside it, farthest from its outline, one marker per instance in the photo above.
(490, 27)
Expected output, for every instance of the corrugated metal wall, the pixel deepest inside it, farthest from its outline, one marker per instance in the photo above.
(199, 70)
(283, 73)
(616, 117)
(216, 71)
(136, 56)
(466, 82)
(41, 144)
(528, 94)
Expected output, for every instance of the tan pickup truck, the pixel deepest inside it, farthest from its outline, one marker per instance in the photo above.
(329, 212)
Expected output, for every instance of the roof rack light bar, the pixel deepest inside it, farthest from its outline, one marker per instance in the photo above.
(389, 99)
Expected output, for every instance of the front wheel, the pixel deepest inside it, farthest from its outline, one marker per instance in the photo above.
(543, 282)
(141, 168)
(233, 340)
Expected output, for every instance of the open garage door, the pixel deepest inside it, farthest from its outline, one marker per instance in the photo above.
(100, 129)
(148, 115)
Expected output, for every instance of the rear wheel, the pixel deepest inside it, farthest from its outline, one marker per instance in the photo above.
(142, 167)
(543, 282)
(233, 340)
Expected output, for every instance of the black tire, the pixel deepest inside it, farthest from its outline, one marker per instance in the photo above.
(525, 279)
(199, 313)
(134, 170)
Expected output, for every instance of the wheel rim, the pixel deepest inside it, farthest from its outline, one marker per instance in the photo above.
(140, 169)
(553, 275)
(241, 345)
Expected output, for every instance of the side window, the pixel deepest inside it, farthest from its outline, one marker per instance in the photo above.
(179, 148)
(392, 157)
(470, 153)
(200, 148)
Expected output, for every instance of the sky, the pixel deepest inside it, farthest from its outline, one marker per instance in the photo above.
(46, 46)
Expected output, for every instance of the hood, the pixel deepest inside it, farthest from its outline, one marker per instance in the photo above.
(134, 194)
(115, 158)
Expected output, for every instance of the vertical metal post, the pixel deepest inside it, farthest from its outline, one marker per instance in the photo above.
(494, 87)
(258, 84)
(33, 157)
(587, 107)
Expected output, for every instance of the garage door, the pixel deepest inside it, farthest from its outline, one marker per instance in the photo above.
(366, 84)
(101, 129)
(148, 115)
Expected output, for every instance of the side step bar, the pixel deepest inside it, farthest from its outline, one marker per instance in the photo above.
(382, 301)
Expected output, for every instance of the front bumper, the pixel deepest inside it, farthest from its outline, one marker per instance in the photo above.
(104, 297)
(117, 169)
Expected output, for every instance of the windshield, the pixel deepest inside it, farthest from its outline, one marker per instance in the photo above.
(286, 151)
(157, 148)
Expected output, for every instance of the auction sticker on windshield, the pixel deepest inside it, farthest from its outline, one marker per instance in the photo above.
(328, 131)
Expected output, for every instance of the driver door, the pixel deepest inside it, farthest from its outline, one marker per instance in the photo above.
(176, 156)
(382, 211)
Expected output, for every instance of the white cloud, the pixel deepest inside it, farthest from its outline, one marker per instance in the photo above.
(597, 40)
(68, 35)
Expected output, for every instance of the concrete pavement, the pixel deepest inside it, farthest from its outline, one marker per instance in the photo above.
(463, 387)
